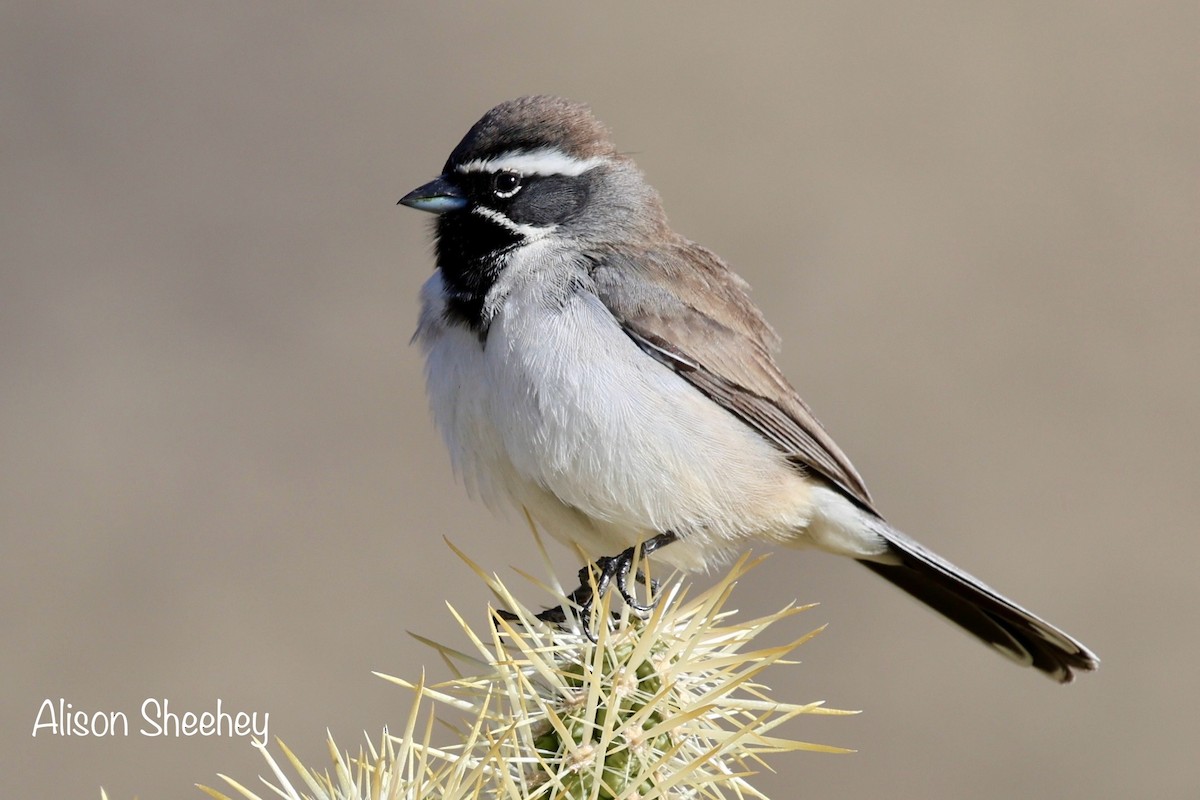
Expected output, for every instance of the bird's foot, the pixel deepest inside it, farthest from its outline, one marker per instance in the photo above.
(596, 579)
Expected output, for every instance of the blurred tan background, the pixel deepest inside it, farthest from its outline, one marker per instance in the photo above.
(975, 226)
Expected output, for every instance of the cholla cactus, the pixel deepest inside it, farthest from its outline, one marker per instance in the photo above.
(665, 706)
(405, 767)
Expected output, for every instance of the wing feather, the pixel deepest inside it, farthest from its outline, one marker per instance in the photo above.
(684, 307)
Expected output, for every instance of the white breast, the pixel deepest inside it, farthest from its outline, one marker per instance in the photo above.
(562, 413)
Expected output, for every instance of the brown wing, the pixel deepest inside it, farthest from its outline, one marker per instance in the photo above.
(684, 307)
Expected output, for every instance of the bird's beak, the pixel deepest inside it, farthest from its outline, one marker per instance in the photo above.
(437, 197)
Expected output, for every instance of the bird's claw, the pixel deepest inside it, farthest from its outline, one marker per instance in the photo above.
(603, 574)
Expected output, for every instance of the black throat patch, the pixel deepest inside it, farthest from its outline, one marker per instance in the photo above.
(470, 254)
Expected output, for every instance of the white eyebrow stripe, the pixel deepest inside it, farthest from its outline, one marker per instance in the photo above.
(543, 161)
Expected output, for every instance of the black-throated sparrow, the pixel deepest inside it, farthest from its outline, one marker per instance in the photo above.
(589, 364)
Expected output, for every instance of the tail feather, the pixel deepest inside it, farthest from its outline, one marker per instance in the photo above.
(982, 611)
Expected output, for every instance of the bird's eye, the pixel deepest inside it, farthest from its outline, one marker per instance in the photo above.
(506, 184)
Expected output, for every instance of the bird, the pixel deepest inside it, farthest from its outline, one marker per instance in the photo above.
(586, 363)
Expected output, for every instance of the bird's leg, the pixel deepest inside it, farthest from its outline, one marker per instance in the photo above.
(610, 569)
(627, 558)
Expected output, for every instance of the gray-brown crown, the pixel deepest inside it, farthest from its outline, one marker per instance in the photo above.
(534, 123)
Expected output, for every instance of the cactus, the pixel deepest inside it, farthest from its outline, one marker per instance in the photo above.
(665, 706)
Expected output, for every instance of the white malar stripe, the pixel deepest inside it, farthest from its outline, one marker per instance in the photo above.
(543, 161)
(530, 232)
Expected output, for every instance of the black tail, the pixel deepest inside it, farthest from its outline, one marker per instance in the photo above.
(982, 611)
